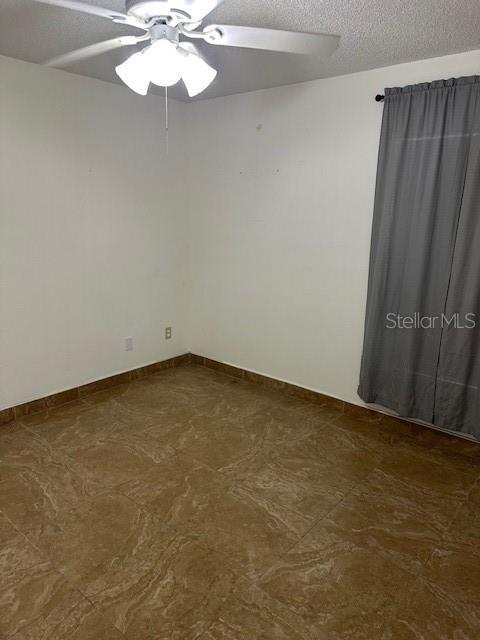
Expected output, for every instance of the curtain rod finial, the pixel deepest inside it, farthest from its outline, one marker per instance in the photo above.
(379, 97)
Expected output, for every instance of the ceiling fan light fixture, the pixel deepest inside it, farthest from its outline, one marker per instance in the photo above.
(134, 73)
(197, 74)
(163, 62)
(166, 61)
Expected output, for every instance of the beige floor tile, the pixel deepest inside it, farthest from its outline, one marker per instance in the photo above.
(73, 426)
(396, 519)
(303, 485)
(428, 615)
(466, 523)
(108, 463)
(193, 505)
(97, 446)
(21, 451)
(96, 532)
(285, 422)
(82, 622)
(177, 491)
(430, 469)
(340, 590)
(251, 613)
(385, 434)
(227, 445)
(55, 417)
(159, 396)
(444, 443)
(250, 532)
(453, 573)
(34, 593)
(354, 457)
(41, 490)
(16, 553)
(174, 594)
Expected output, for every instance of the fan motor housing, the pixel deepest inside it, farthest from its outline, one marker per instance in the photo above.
(164, 31)
(148, 9)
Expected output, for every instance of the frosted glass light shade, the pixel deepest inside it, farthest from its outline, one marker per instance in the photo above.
(134, 73)
(164, 63)
(197, 74)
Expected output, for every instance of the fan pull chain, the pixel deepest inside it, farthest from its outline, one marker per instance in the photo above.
(166, 121)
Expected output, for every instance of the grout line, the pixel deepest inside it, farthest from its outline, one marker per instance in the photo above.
(326, 515)
(71, 584)
(320, 520)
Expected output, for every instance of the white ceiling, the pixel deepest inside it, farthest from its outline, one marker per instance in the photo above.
(375, 33)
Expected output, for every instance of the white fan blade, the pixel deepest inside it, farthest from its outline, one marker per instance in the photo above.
(83, 7)
(93, 50)
(271, 39)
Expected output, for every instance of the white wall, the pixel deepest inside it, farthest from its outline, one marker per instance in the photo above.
(281, 207)
(272, 191)
(92, 231)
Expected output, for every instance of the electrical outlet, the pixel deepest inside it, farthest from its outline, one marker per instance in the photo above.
(168, 333)
(129, 344)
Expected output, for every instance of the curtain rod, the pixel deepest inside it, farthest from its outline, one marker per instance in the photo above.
(379, 97)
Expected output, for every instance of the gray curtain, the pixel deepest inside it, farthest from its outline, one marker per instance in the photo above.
(425, 258)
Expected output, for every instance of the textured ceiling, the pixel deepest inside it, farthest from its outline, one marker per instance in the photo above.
(375, 33)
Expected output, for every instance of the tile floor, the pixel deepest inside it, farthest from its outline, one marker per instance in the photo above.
(193, 505)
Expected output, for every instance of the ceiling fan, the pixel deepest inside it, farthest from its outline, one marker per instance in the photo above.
(166, 60)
